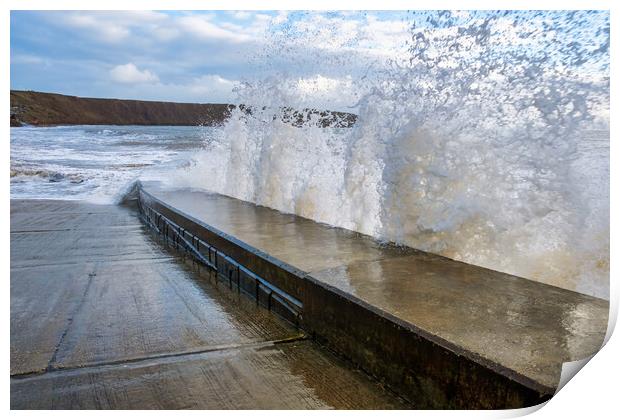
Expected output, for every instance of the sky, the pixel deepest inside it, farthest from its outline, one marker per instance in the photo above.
(315, 59)
(197, 56)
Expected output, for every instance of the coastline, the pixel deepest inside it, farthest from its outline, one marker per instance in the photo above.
(51, 109)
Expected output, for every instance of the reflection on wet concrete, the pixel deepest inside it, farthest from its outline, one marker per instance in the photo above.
(526, 326)
(515, 322)
(103, 316)
(286, 376)
(300, 242)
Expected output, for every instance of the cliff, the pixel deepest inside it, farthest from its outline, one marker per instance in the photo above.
(45, 109)
(37, 108)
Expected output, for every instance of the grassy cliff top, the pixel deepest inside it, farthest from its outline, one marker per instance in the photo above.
(48, 109)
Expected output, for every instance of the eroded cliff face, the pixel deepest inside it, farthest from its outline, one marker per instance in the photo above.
(37, 108)
(41, 109)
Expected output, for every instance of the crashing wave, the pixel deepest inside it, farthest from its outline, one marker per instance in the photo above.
(471, 145)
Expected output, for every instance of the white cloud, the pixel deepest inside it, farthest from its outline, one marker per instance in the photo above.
(203, 28)
(241, 14)
(106, 31)
(318, 53)
(212, 85)
(111, 27)
(209, 88)
(129, 73)
(28, 59)
(165, 33)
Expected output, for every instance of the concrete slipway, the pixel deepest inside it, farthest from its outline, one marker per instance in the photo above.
(103, 315)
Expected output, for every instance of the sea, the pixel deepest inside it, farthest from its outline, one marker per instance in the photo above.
(99, 163)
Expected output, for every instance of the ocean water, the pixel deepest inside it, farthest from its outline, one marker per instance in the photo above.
(99, 163)
(485, 138)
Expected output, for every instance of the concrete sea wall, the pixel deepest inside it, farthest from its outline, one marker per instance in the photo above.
(428, 370)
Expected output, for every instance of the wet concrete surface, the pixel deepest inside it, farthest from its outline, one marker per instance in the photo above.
(104, 316)
(284, 376)
(527, 327)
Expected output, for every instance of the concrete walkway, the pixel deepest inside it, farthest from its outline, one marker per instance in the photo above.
(103, 316)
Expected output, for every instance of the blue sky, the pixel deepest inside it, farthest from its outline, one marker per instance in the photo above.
(202, 56)
(190, 56)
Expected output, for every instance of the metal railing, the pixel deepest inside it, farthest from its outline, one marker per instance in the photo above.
(222, 264)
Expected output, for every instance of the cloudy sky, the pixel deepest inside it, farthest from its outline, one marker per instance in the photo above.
(197, 56)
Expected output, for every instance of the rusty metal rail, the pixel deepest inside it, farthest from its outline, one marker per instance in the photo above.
(238, 276)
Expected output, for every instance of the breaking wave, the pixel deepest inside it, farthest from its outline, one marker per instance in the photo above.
(485, 139)
(96, 163)
(25, 174)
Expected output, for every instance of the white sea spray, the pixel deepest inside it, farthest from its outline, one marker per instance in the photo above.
(485, 139)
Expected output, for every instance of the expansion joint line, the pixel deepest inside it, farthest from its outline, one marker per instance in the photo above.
(161, 356)
(50, 365)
